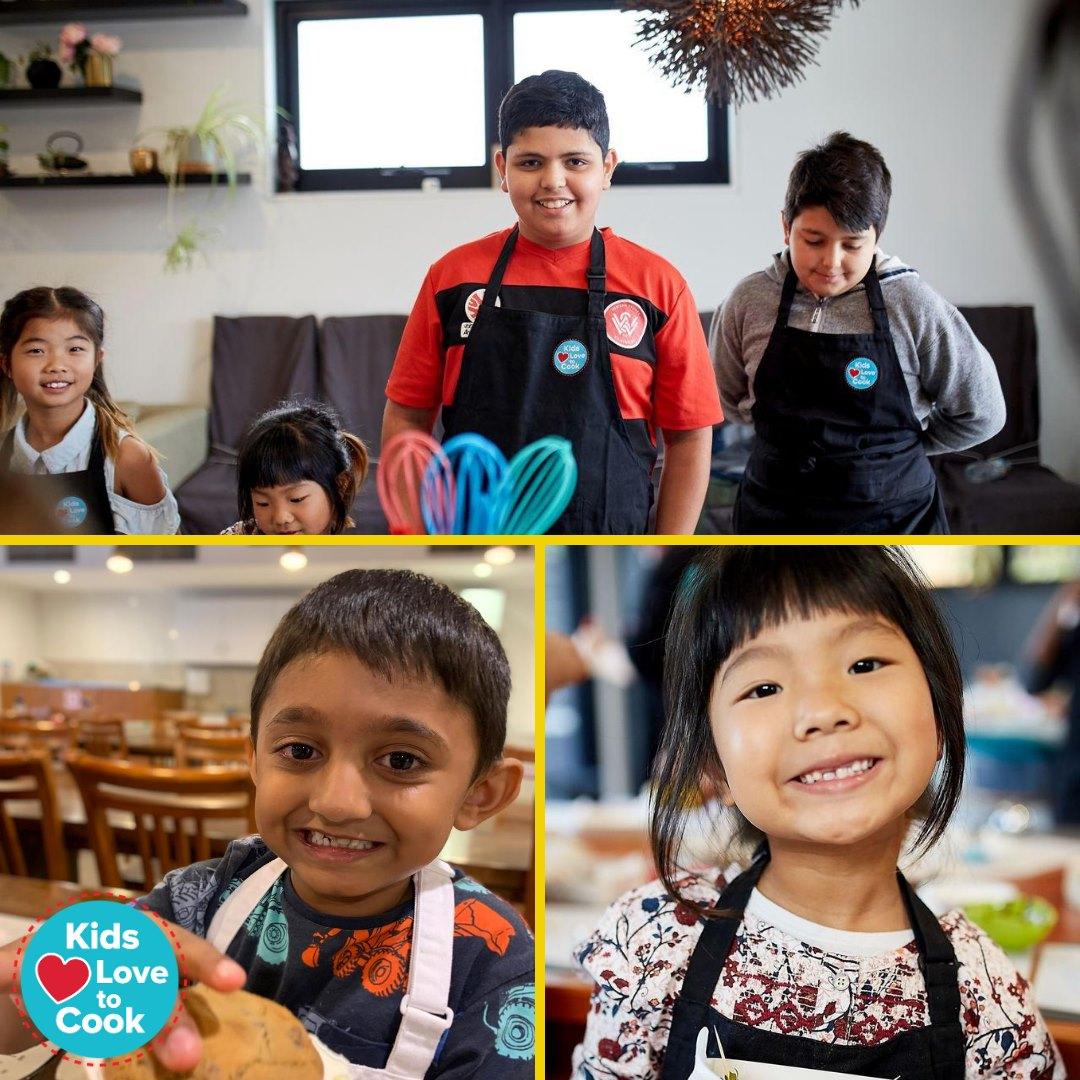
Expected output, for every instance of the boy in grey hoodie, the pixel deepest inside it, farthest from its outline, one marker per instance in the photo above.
(850, 367)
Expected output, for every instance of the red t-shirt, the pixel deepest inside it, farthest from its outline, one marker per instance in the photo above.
(660, 360)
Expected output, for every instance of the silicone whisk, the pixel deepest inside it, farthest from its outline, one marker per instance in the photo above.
(479, 467)
(415, 482)
(539, 482)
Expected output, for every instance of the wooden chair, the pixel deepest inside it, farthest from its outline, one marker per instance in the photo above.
(196, 722)
(103, 736)
(167, 809)
(29, 776)
(54, 735)
(200, 746)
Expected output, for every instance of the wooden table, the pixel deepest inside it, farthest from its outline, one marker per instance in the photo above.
(34, 898)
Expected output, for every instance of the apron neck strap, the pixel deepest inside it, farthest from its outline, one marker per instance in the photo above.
(718, 934)
(787, 294)
(425, 1009)
(596, 275)
(877, 302)
(937, 960)
(7, 448)
(491, 293)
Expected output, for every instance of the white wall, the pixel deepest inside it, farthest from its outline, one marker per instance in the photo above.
(18, 632)
(927, 81)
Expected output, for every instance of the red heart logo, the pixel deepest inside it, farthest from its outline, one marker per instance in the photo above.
(854, 372)
(564, 356)
(62, 979)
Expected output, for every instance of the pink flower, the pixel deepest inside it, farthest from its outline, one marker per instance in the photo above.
(73, 34)
(107, 44)
(66, 53)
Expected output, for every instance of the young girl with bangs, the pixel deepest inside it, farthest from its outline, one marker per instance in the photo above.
(298, 472)
(817, 691)
(84, 469)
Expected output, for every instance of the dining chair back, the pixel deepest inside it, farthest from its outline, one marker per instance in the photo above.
(25, 776)
(102, 736)
(201, 746)
(169, 811)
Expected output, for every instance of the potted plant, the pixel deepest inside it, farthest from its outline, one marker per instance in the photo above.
(216, 142)
(222, 133)
(90, 57)
(6, 68)
(42, 71)
(4, 147)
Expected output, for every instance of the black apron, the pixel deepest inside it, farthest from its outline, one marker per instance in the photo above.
(527, 374)
(837, 447)
(73, 502)
(937, 1051)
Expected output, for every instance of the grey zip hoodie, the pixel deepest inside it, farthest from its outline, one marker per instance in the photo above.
(954, 387)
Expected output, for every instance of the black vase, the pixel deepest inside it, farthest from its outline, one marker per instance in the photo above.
(43, 74)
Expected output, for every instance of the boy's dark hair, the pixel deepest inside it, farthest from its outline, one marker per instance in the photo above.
(845, 175)
(727, 596)
(400, 625)
(301, 440)
(554, 99)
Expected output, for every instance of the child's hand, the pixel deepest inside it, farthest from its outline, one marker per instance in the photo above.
(179, 1047)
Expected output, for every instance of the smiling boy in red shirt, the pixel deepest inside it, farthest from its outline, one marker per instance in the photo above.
(555, 327)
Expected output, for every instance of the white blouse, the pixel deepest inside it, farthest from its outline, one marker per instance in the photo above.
(72, 454)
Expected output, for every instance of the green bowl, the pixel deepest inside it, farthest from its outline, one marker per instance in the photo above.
(1017, 924)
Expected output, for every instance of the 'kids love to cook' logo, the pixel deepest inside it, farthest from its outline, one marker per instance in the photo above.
(570, 356)
(861, 373)
(99, 979)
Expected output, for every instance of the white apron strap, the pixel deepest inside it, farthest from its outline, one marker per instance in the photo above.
(425, 1011)
(233, 913)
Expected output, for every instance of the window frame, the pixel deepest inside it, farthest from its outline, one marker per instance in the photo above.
(498, 39)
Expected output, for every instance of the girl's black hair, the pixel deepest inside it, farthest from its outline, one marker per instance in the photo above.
(296, 441)
(727, 596)
(44, 302)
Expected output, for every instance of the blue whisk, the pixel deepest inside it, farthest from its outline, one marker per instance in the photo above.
(539, 482)
(479, 467)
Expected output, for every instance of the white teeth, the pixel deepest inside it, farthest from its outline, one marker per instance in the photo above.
(841, 773)
(554, 204)
(322, 840)
(57, 385)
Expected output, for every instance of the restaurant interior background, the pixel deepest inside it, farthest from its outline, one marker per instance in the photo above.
(599, 735)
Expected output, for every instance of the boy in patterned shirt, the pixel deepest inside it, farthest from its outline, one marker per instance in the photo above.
(378, 721)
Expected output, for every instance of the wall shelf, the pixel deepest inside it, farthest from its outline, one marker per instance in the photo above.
(117, 180)
(82, 95)
(22, 12)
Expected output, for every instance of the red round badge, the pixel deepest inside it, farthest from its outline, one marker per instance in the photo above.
(475, 299)
(626, 323)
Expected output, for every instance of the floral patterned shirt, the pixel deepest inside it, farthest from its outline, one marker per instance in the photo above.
(777, 980)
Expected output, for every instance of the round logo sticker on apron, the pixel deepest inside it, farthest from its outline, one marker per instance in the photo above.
(570, 357)
(861, 373)
(71, 512)
(626, 322)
